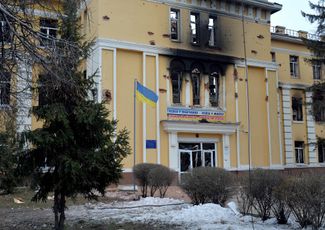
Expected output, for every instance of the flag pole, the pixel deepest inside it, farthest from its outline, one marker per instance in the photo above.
(134, 131)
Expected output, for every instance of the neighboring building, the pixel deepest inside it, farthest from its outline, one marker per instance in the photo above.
(192, 54)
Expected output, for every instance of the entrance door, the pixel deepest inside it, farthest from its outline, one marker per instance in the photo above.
(186, 160)
(208, 159)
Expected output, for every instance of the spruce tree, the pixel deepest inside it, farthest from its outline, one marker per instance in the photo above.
(77, 150)
(317, 47)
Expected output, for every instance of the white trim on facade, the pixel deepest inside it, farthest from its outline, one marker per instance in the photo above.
(291, 52)
(268, 116)
(144, 110)
(311, 133)
(237, 121)
(226, 151)
(287, 117)
(279, 119)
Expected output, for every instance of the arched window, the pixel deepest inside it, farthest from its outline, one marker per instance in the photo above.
(214, 83)
(177, 68)
(176, 77)
(196, 79)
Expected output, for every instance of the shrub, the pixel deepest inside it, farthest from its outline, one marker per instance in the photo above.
(207, 184)
(261, 186)
(160, 178)
(141, 173)
(244, 197)
(306, 198)
(280, 208)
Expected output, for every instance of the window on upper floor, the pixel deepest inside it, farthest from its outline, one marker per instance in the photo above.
(49, 31)
(4, 88)
(317, 71)
(5, 34)
(294, 66)
(297, 113)
(212, 29)
(321, 153)
(214, 82)
(299, 150)
(320, 115)
(196, 80)
(176, 78)
(195, 28)
(175, 24)
(273, 57)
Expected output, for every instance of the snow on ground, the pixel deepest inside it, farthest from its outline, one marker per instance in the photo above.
(173, 212)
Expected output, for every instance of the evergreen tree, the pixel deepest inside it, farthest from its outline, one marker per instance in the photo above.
(77, 150)
(317, 47)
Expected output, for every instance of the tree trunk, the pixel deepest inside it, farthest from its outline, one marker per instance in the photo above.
(59, 210)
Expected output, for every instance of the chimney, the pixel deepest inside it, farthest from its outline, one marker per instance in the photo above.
(280, 29)
(303, 34)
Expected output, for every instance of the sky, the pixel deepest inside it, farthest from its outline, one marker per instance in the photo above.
(290, 15)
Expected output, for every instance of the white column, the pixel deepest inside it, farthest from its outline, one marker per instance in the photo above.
(268, 117)
(226, 152)
(173, 152)
(206, 92)
(311, 134)
(287, 120)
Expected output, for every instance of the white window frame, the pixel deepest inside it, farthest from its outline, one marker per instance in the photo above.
(299, 154)
(196, 27)
(294, 66)
(302, 109)
(178, 21)
(45, 39)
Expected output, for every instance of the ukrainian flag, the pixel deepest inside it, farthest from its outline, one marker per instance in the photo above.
(146, 95)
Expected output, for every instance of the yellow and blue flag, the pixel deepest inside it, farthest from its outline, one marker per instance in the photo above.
(146, 95)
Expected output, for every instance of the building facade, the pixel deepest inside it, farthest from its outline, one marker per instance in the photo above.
(232, 93)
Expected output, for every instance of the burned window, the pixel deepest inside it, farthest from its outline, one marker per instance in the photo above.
(320, 114)
(5, 34)
(195, 77)
(43, 94)
(273, 57)
(4, 88)
(195, 27)
(48, 31)
(294, 66)
(214, 82)
(297, 114)
(175, 24)
(212, 31)
(317, 71)
(176, 78)
(321, 152)
(299, 150)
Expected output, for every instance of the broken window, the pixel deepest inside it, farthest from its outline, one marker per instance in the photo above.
(175, 24)
(5, 34)
(4, 88)
(294, 66)
(299, 149)
(212, 31)
(214, 82)
(43, 97)
(49, 30)
(321, 153)
(176, 78)
(195, 76)
(297, 114)
(317, 71)
(195, 26)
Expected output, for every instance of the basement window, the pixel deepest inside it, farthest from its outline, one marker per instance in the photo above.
(214, 82)
(4, 88)
(212, 31)
(299, 150)
(294, 66)
(48, 31)
(321, 153)
(175, 24)
(195, 26)
(195, 77)
(297, 114)
(176, 78)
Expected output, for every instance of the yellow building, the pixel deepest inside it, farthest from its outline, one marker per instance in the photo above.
(197, 55)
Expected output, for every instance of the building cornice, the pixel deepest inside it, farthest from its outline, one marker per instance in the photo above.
(286, 38)
(293, 86)
(197, 127)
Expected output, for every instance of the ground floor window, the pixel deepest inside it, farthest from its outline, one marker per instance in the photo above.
(194, 155)
(299, 149)
(321, 153)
